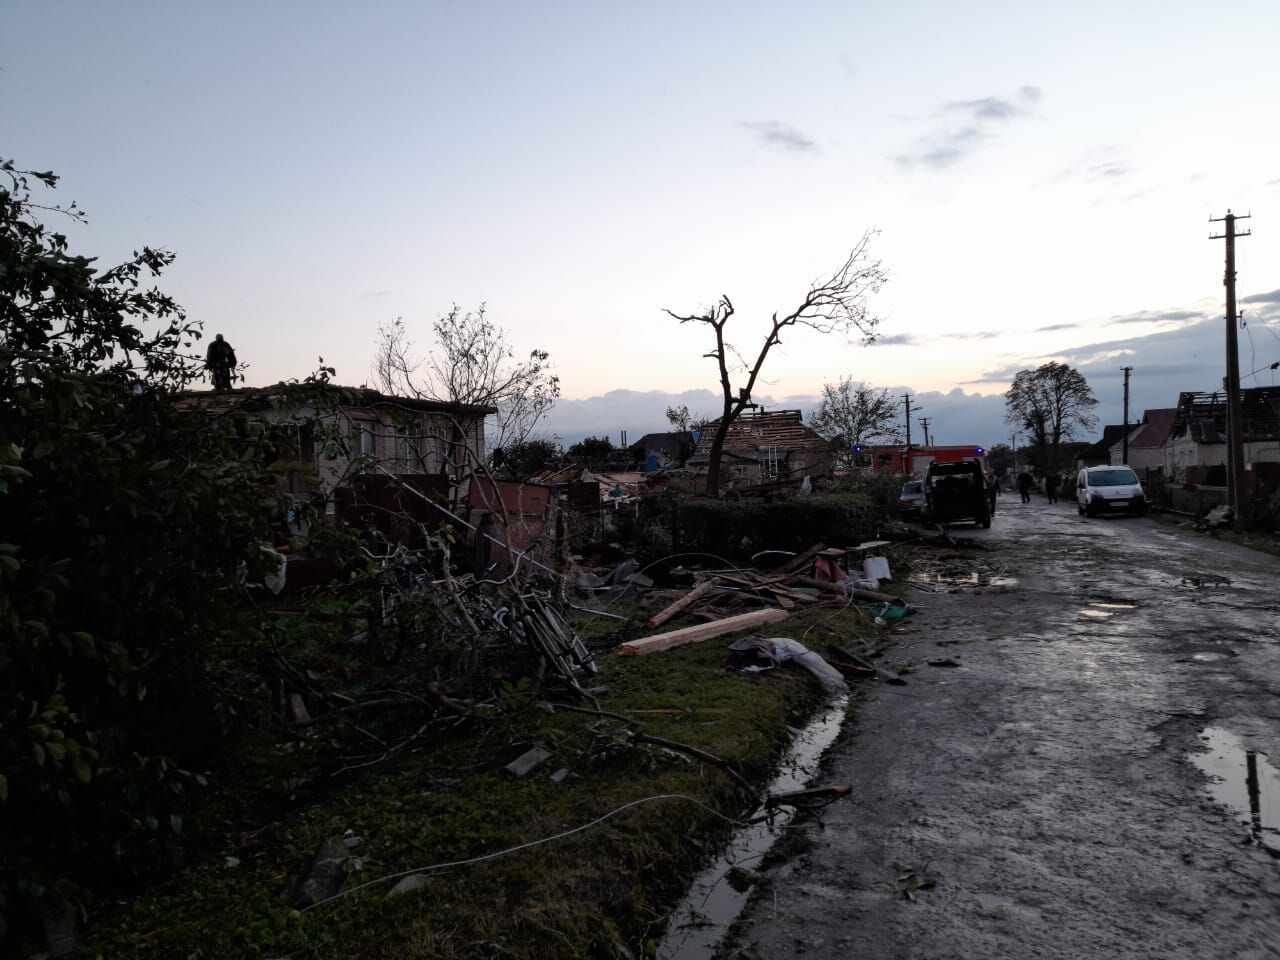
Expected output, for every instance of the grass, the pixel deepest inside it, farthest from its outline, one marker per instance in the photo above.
(599, 893)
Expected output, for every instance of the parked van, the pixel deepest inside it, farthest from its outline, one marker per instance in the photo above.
(956, 491)
(1102, 490)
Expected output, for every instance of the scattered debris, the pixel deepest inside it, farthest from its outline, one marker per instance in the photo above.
(526, 762)
(415, 881)
(324, 877)
(1220, 517)
(1205, 580)
(774, 650)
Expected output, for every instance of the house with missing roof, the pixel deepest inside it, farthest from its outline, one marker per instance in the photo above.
(1196, 449)
(766, 446)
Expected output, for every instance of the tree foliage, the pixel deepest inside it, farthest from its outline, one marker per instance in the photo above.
(680, 418)
(837, 304)
(591, 450)
(519, 461)
(856, 414)
(1050, 402)
(125, 527)
(472, 363)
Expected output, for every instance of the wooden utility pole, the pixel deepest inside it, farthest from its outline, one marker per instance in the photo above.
(1124, 443)
(1235, 426)
(924, 422)
(906, 464)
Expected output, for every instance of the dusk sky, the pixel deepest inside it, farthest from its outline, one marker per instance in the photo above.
(1041, 176)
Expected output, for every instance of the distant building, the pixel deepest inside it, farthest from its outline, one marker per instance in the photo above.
(660, 451)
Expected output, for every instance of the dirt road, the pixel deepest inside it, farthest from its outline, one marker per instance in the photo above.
(1039, 792)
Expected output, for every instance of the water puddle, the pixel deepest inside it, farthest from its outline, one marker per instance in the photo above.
(973, 582)
(1105, 609)
(1245, 781)
(717, 896)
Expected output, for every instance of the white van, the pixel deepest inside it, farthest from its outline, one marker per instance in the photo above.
(1101, 490)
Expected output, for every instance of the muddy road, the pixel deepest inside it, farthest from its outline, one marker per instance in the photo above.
(1070, 778)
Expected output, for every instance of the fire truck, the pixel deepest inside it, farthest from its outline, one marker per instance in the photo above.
(915, 461)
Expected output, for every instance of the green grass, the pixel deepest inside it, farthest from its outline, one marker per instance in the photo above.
(600, 893)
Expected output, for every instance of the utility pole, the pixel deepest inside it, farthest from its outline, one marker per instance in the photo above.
(1124, 443)
(1235, 426)
(906, 465)
(1013, 442)
(924, 422)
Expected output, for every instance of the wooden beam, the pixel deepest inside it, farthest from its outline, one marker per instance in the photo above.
(693, 596)
(699, 632)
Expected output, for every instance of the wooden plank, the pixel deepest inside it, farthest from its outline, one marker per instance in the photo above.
(699, 632)
(836, 588)
(798, 564)
(693, 596)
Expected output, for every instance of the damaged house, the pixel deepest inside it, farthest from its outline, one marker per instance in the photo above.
(1196, 450)
(340, 433)
(764, 447)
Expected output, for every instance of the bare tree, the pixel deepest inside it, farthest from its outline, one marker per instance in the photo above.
(473, 364)
(854, 414)
(835, 305)
(1049, 402)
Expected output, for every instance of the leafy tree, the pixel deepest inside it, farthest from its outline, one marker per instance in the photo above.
(125, 527)
(856, 414)
(473, 364)
(521, 460)
(837, 304)
(591, 450)
(680, 418)
(1000, 458)
(1050, 402)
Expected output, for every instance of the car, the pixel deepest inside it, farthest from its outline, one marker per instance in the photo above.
(956, 491)
(1109, 489)
(911, 498)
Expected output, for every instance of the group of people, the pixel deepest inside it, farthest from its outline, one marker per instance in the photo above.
(1025, 482)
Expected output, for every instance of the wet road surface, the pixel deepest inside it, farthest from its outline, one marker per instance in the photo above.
(1073, 778)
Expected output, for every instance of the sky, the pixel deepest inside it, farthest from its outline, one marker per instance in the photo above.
(1039, 179)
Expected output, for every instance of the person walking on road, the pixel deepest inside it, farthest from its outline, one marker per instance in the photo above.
(1051, 483)
(993, 491)
(1025, 483)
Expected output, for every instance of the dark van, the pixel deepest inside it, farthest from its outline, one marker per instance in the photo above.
(956, 491)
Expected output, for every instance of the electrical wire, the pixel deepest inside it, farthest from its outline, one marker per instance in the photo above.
(524, 846)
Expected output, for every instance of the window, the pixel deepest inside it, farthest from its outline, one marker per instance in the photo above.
(364, 438)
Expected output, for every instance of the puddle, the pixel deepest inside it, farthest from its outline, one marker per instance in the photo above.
(1245, 781)
(712, 904)
(975, 582)
(1106, 609)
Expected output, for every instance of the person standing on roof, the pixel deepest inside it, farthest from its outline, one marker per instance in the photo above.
(220, 359)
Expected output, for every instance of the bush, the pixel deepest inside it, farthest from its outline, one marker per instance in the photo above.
(126, 527)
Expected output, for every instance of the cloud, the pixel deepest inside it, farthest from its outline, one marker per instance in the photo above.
(783, 135)
(1111, 169)
(949, 144)
(1158, 316)
(897, 340)
(975, 335)
(374, 294)
(1272, 297)
(1056, 326)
